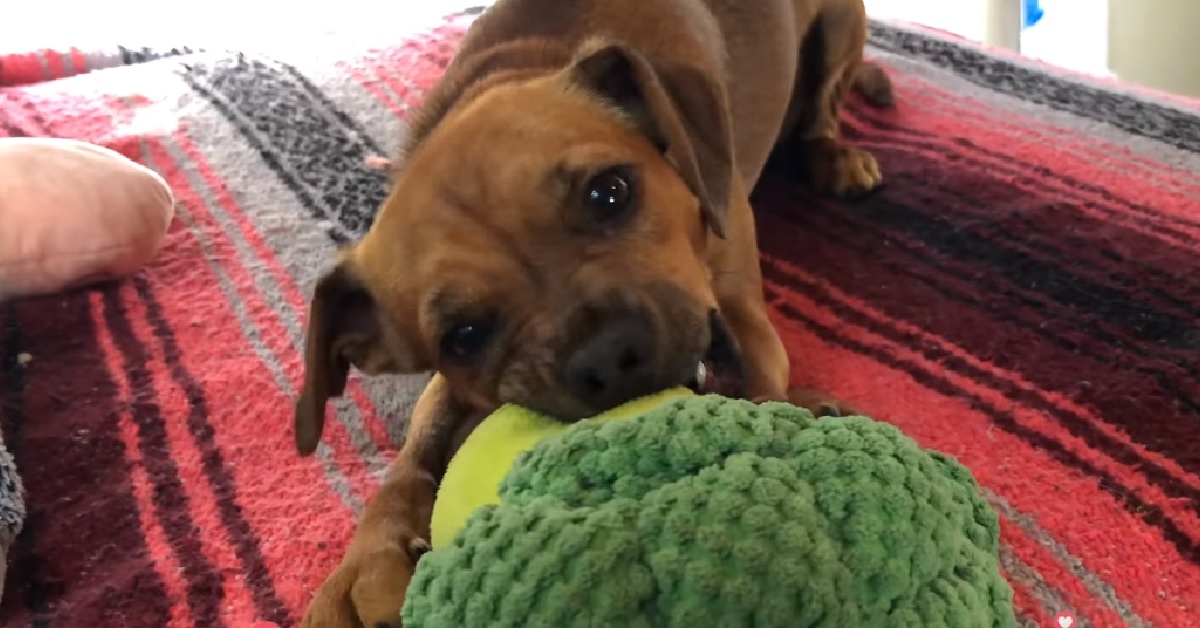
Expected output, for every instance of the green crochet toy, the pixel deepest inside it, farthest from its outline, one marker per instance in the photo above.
(683, 511)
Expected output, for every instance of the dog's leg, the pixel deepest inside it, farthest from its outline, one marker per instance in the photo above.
(831, 63)
(766, 361)
(737, 285)
(737, 282)
(368, 587)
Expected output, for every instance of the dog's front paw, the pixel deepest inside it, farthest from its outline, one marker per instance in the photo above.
(818, 403)
(367, 589)
(856, 174)
(842, 171)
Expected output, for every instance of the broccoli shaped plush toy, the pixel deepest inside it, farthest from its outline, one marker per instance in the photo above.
(685, 511)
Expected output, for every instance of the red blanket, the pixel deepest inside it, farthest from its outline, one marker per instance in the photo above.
(1023, 295)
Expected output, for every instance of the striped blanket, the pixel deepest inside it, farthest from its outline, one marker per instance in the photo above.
(1023, 295)
(35, 66)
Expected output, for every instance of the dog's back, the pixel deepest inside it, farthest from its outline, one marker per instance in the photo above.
(724, 38)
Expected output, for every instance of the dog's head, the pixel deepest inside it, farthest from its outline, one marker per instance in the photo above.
(544, 245)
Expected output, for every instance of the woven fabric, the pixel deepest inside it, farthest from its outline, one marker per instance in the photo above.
(1022, 296)
(35, 66)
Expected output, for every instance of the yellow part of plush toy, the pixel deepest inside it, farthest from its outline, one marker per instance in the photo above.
(474, 474)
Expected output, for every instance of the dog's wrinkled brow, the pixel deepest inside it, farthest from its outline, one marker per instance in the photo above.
(564, 177)
(443, 305)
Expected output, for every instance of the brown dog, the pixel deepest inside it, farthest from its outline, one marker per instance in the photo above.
(569, 228)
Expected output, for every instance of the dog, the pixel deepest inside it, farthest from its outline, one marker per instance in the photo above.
(569, 227)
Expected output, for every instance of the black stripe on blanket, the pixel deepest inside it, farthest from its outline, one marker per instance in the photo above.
(1139, 117)
(317, 150)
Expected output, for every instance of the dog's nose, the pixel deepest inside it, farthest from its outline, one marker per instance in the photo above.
(613, 366)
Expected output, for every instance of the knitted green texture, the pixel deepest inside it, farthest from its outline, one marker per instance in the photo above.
(715, 512)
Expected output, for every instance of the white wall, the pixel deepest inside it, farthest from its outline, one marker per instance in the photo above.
(1072, 34)
(961, 17)
(1155, 43)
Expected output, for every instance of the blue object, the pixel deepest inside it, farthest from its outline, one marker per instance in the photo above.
(1033, 12)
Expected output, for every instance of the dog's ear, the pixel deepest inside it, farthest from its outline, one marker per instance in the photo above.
(680, 107)
(345, 328)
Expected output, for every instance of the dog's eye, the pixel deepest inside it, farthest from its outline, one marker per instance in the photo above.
(609, 194)
(465, 341)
